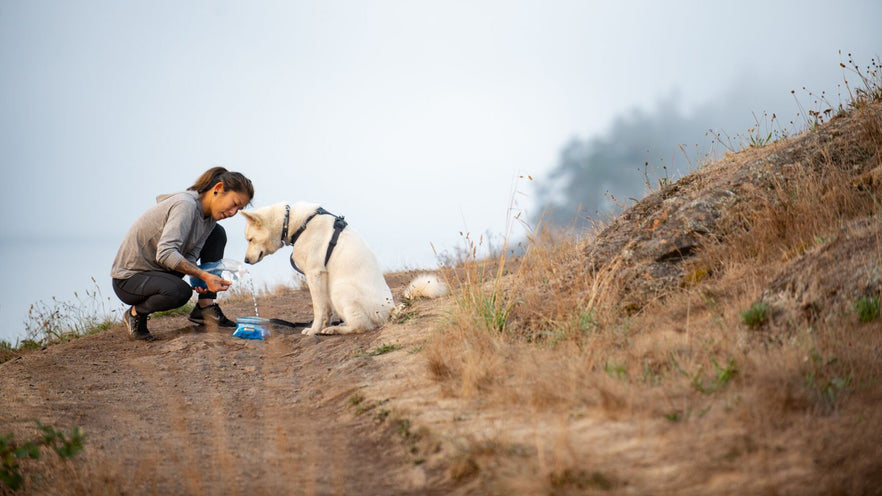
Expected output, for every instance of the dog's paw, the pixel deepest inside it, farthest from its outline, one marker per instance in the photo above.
(328, 331)
(309, 331)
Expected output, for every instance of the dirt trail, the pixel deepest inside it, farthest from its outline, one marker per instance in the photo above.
(201, 412)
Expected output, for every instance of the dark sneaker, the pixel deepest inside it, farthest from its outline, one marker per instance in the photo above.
(137, 326)
(211, 315)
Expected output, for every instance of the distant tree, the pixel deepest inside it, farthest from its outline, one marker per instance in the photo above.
(593, 177)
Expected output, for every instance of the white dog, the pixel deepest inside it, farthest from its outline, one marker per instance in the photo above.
(341, 271)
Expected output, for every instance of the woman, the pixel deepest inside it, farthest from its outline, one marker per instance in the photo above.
(165, 243)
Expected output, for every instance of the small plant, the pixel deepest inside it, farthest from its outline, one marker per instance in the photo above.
(867, 308)
(404, 431)
(662, 181)
(587, 321)
(650, 375)
(580, 480)
(403, 317)
(697, 275)
(674, 416)
(403, 312)
(835, 386)
(870, 78)
(494, 313)
(382, 415)
(764, 131)
(358, 402)
(756, 315)
(757, 136)
(680, 416)
(65, 446)
(380, 350)
(60, 320)
(617, 371)
(175, 312)
(723, 376)
(356, 399)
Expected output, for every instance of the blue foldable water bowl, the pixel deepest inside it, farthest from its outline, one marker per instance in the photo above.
(251, 328)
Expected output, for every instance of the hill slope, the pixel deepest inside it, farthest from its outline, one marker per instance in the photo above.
(617, 363)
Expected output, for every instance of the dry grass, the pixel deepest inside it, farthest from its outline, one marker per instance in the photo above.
(791, 406)
(569, 391)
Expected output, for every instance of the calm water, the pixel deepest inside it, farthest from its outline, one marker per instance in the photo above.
(37, 271)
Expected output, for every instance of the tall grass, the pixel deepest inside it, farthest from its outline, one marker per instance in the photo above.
(59, 320)
(548, 339)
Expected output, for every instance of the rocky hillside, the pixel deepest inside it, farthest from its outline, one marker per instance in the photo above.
(832, 174)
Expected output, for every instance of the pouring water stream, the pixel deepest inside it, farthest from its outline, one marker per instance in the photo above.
(253, 294)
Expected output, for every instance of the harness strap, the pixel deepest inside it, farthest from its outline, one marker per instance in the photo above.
(297, 234)
(285, 224)
(339, 225)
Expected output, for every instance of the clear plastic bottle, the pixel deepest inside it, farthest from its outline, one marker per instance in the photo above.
(227, 268)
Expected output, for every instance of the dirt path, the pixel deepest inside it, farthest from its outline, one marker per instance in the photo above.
(201, 412)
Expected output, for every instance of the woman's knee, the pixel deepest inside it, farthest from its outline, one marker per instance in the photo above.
(168, 299)
(181, 296)
(163, 291)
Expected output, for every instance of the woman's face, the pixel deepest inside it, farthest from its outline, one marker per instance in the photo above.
(226, 203)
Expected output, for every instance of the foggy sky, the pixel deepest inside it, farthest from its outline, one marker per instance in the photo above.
(412, 118)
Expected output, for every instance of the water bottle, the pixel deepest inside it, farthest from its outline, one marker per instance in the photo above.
(227, 268)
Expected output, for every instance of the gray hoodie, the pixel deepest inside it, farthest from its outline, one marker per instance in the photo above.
(173, 229)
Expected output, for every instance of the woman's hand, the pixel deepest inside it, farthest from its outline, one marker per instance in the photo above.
(215, 284)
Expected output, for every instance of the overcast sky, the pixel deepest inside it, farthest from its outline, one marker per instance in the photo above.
(411, 118)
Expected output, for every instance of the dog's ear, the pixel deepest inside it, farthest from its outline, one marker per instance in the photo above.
(250, 217)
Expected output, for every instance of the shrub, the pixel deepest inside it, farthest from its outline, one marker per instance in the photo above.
(65, 446)
(867, 308)
(756, 315)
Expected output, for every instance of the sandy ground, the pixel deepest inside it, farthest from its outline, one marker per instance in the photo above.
(202, 412)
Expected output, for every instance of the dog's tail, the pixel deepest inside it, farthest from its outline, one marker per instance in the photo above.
(425, 286)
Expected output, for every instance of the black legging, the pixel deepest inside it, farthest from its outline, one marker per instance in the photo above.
(157, 291)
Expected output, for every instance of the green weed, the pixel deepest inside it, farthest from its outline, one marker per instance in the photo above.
(493, 312)
(763, 132)
(404, 317)
(756, 315)
(58, 320)
(380, 350)
(723, 376)
(357, 401)
(867, 308)
(617, 371)
(587, 321)
(64, 445)
(175, 312)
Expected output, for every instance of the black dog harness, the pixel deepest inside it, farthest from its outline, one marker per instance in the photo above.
(339, 225)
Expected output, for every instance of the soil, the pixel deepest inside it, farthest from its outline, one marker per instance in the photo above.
(199, 411)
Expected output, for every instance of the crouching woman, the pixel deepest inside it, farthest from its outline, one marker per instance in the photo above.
(168, 240)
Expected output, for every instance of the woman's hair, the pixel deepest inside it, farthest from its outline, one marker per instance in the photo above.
(233, 181)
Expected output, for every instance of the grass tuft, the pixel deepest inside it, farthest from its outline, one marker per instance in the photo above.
(757, 315)
(867, 308)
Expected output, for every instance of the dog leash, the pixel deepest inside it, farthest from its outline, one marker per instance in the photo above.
(286, 323)
(339, 224)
